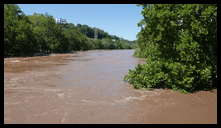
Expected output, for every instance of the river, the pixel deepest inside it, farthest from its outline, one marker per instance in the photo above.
(88, 87)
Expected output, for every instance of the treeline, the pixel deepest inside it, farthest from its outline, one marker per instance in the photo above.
(41, 34)
(90, 32)
(179, 42)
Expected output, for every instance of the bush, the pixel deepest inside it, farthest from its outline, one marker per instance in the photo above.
(179, 47)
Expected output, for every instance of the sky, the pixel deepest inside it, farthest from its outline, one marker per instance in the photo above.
(116, 19)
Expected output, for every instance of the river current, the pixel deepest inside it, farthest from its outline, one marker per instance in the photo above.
(88, 87)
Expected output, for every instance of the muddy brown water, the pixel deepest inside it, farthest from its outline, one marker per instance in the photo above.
(88, 87)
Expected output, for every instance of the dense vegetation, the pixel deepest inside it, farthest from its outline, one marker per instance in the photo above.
(179, 43)
(41, 34)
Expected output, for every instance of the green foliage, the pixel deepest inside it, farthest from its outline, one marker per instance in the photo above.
(48, 34)
(90, 32)
(179, 46)
(17, 32)
(39, 33)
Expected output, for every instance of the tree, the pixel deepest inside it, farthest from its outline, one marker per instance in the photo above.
(17, 33)
(50, 36)
(179, 44)
(39, 33)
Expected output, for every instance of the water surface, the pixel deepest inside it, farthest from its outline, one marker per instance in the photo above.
(88, 87)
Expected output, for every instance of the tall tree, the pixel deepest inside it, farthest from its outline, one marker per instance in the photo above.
(179, 43)
(18, 34)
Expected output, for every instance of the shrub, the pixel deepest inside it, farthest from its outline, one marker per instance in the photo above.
(179, 47)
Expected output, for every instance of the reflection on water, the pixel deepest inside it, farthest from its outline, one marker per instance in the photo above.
(88, 87)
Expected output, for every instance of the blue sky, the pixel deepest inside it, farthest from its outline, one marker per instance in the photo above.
(116, 19)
